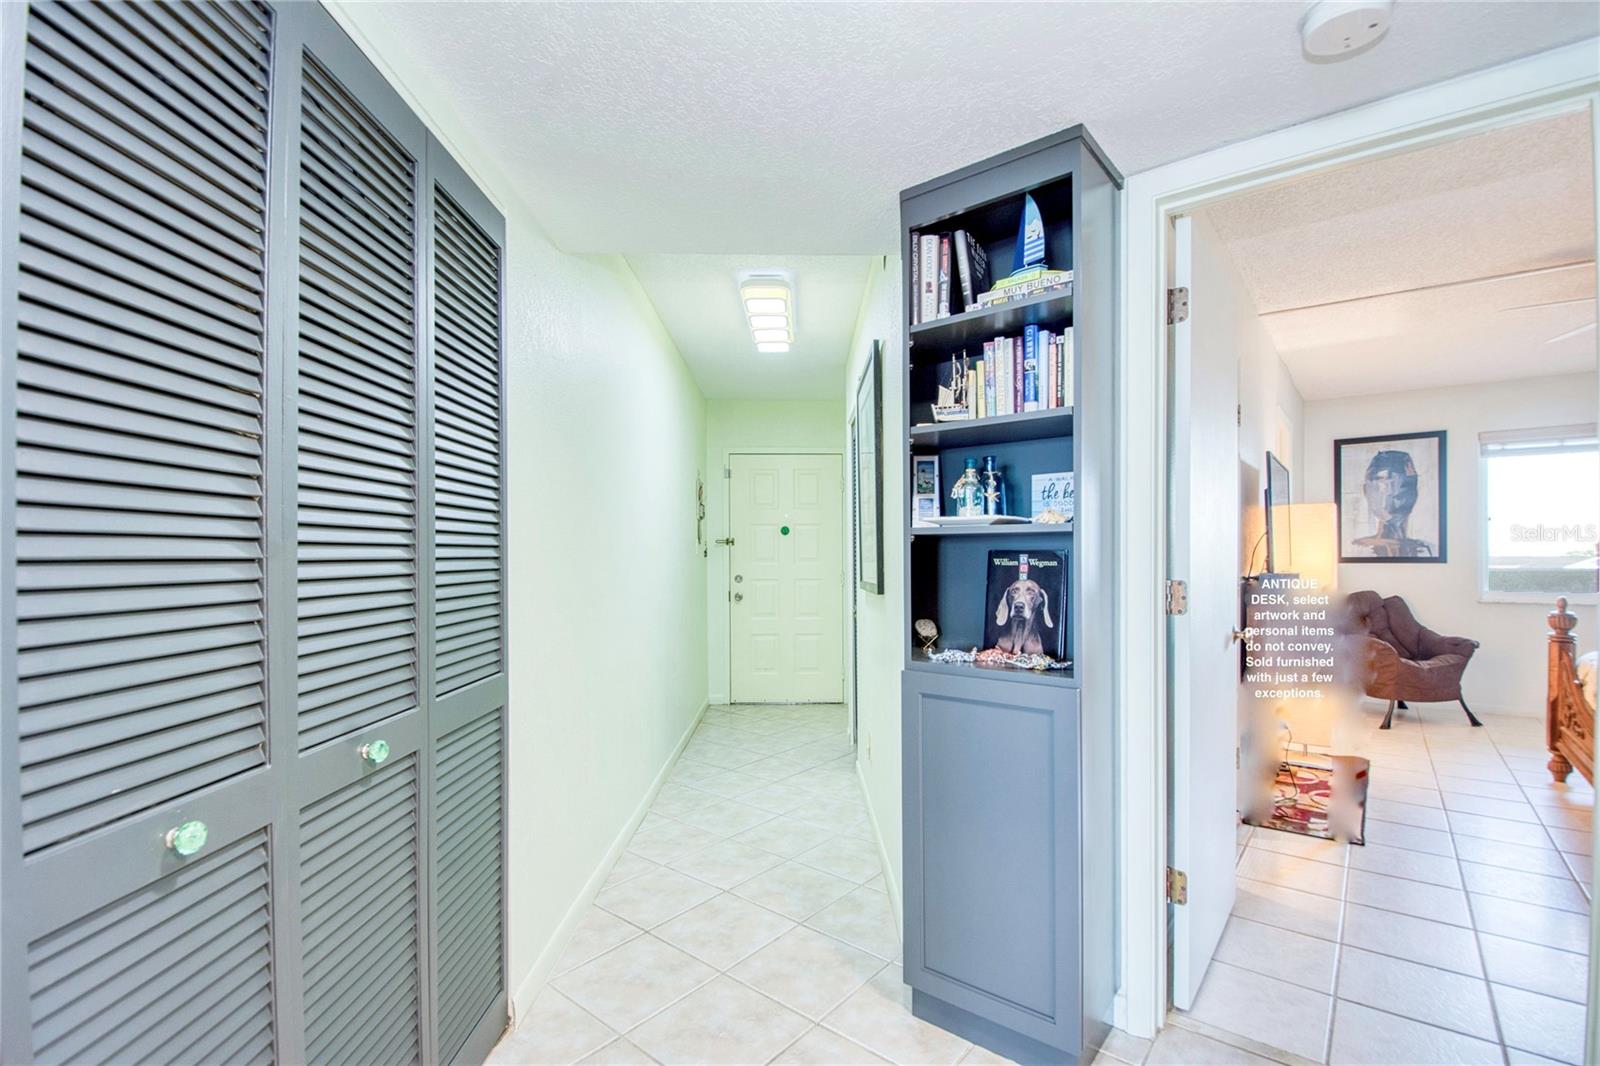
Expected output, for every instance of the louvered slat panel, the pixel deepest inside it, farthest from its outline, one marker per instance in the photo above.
(358, 848)
(467, 629)
(357, 423)
(149, 977)
(139, 375)
(467, 857)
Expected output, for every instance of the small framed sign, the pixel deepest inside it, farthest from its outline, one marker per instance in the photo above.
(1054, 492)
(925, 494)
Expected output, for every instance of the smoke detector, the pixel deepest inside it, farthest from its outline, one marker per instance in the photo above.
(1334, 29)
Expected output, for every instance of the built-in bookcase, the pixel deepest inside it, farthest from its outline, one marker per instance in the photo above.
(1007, 772)
(947, 564)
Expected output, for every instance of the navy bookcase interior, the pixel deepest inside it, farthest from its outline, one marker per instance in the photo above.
(1006, 773)
(948, 566)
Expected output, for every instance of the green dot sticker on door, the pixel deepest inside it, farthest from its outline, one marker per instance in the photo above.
(784, 530)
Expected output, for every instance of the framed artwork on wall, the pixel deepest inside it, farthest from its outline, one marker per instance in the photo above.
(1391, 493)
(867, 446)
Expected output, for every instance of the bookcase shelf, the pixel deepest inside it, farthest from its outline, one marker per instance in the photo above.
(1013, 529)
(1009, 835)
(1006, 429)
(944, 335)
(1012, 674)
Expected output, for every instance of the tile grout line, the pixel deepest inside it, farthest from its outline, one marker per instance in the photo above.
(1460, 886)
(1566, 860)
(1338, 961)
(1477, 937)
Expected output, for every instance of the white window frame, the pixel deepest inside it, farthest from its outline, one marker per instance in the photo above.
(1486, 441)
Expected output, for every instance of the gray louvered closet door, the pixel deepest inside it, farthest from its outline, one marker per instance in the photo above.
(358, 681)
(467, 631)
(135, 387)
(251, 552)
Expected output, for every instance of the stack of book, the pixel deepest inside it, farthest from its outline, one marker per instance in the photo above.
(949, 272)
(1031, 372)
(1024, 284)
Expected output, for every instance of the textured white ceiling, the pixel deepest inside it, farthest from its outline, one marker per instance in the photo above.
(1462, 335)
(697, 297)
(756, 127)
(1335, 262)
(1511, 199)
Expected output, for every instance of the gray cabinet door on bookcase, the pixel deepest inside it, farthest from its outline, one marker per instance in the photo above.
(992, 902)
(467, 446)
(251, 550)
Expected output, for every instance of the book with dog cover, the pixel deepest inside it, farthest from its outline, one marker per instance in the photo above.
(1026, 603)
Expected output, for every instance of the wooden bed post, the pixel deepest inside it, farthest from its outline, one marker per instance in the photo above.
(1563, 674)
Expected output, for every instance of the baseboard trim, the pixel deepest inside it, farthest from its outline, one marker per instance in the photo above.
(889, 881)
(528, 988)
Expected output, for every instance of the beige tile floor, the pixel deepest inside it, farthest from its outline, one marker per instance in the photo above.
(747, 922)
(1457, 934)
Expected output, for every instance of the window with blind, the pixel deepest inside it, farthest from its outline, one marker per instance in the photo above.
(1541, 513)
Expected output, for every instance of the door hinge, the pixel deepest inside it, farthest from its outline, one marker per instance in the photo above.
(1177, 886)
(1238, 414)
(1177, 305)
(1177, 596)
(727, 471)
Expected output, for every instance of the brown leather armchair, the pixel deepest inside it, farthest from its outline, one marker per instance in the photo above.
(1405, 659)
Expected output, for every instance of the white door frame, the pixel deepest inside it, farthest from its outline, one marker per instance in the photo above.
(727, 556)
(1561, 80)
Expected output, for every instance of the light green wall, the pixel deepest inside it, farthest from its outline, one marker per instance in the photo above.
(605, 434)
(881, 619)
(751, 426)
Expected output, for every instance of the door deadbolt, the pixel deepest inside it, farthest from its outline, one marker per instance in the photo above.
(738, 579)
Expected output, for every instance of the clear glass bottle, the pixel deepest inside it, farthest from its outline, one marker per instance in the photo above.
(992, 487)
(968, 492)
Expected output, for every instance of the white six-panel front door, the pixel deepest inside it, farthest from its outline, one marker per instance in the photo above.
(786, 578)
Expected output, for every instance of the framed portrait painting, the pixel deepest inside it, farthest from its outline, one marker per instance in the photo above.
(1391, 494)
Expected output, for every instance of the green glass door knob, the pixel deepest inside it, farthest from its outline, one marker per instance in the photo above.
(187, 838)
(375, 751)
(784, 530)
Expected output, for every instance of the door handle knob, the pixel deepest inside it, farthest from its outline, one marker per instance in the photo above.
(186, 839)
(374, 751)
(1242, 635)
(738, 597)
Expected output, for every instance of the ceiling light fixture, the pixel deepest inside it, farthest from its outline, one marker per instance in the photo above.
(769, 310)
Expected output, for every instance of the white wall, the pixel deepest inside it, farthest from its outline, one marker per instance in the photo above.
(605, 433)
(752, 426)
(1507, 674)
(881, 619)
